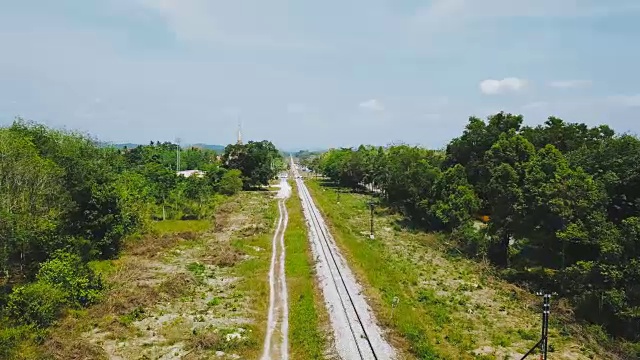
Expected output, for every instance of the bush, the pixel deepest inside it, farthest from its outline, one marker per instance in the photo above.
(37, 304)
(472, 241)
(73, 277)
(231, 182)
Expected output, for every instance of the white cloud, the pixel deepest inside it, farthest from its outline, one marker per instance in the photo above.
(511, 84)
(625, 100)
(372, 105)
(566, 84)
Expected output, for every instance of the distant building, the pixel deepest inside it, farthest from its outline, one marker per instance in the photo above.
(189, 173)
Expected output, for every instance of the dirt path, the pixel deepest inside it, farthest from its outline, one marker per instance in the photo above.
(357, 334)
(276, 342)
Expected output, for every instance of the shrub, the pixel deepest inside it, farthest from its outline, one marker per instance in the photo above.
(231, 182)
(73, 277)
(38, 304)
(472, 241)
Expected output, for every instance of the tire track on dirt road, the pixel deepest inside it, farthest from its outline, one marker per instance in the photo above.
(356, 332)
(276, 341)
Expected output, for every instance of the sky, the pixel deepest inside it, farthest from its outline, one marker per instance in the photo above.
(315, 74)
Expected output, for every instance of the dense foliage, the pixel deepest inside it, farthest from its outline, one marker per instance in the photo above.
(65, 200)
(258, 162)
(561, 203)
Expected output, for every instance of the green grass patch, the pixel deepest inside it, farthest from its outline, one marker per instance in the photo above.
(103, 268)
(197, 269)
(307, 314)
(177, 226)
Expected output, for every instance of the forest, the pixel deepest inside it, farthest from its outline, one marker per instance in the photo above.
(66, 200)
(553, 207)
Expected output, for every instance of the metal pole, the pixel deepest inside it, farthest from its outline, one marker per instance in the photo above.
(544, 310)
(371, 205)
(547, 309)
(543, 344)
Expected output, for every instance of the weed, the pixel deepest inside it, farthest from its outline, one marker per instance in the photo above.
(197, 269)
(213, 302)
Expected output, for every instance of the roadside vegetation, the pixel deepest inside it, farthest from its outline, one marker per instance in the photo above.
(69, 205)
(553, 207)
(449, 307)
(308, 318)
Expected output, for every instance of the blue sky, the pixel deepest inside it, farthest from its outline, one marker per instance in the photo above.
(308, 74)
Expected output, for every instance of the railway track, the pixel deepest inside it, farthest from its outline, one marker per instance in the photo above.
(357, 335)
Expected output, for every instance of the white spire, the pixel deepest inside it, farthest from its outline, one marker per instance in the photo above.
(239, 132)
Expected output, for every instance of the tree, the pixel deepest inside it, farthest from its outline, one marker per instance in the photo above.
(560, 201)
(32, 200)
(506, 163)
(455, 201)
(255, 160)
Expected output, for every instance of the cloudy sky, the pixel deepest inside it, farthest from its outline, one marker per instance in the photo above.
(309, 74)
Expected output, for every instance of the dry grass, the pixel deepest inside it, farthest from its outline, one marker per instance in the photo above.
(151, 246)
(177, 285)
(205, 340)
(223, 255)
(80, 350)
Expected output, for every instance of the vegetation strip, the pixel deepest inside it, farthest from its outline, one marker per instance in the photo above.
(553, 207)
(308, 321)
(67, 201)
(449, 307)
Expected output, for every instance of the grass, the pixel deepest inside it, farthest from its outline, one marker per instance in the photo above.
(307, 315)
(188, 273)
(449, 307)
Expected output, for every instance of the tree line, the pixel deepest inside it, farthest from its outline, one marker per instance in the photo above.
(555, 206)
(65, 200)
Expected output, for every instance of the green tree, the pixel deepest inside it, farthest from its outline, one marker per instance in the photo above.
(455, 201)
(32, 201)
(255, 160)
(506, 163)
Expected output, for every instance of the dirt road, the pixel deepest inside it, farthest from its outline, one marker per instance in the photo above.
(357, 335)
(276, 343)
